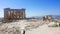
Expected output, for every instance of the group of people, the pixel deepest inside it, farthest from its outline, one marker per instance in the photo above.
(47, 18)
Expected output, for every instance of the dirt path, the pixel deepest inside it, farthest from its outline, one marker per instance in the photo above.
(44, 29)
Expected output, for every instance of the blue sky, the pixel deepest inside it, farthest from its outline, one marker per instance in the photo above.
(33, 7)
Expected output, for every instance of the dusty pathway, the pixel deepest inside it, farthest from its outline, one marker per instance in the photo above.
(44, 29)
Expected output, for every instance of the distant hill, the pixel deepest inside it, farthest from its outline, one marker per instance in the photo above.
(54, 16)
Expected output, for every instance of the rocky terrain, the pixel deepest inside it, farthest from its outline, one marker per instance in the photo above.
(30, 26)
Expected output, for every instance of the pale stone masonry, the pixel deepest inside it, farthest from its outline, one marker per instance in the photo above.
(14, 13)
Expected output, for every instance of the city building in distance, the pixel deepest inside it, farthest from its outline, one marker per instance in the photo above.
(14, 13)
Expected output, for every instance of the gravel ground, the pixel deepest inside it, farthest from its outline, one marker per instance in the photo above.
(15, 28)
(44, 29)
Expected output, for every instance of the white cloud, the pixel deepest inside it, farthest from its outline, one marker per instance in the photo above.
(1, 14)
